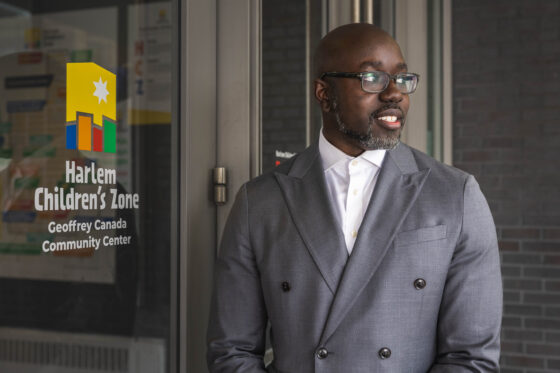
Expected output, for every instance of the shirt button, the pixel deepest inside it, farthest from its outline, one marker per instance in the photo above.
(286, 286)
(354, 162)
(322, 353)
(355, 191)
(354, 234)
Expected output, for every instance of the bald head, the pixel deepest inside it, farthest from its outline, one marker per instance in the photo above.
(345, 45)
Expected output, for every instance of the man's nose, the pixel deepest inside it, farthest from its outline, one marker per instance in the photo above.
(391, 93)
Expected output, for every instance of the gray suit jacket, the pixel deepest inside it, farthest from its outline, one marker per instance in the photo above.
(283, 259)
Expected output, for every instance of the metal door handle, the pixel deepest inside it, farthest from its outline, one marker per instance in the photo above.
(220, 186)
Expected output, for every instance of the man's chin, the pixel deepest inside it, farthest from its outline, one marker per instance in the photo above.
(372, 142)
(380, 144)
(383, 138)
(386, 141)
(376, 138)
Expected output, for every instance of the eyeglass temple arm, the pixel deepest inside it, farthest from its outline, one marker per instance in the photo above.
(344, 75)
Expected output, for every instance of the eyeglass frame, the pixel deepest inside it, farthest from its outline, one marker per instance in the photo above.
(360, 75)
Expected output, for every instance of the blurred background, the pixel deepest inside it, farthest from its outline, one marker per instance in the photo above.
(210, 93)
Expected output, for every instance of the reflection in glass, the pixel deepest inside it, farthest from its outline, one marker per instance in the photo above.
(85, 284)
(283, 81)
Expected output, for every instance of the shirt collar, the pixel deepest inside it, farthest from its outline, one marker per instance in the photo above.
(330, 154)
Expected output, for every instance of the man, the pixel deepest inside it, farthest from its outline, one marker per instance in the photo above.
(364, 254)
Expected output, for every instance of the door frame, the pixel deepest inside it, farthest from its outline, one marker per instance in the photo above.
(196, 139)
(238, 96)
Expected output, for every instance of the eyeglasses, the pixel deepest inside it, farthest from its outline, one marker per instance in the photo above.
(378, 81)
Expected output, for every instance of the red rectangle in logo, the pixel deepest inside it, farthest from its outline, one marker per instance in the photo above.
(97, 139)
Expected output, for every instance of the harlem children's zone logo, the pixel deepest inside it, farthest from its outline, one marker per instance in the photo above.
(91, 107)
(90, 126)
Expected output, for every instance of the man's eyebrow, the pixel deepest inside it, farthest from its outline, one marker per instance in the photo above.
(373, 64)
(402, 66)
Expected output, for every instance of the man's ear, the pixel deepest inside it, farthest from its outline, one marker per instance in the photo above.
(322, 94)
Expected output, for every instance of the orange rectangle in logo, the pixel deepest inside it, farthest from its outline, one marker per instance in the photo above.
(84, 132)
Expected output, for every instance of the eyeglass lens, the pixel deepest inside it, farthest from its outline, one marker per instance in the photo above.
(378, 81)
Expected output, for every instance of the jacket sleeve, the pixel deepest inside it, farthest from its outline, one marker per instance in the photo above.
(470, 314)
(237, 324)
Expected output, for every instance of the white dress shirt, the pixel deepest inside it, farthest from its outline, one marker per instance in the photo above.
(350, 182)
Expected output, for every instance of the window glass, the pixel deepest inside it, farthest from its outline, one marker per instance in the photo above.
(283, 81)
(85, 168)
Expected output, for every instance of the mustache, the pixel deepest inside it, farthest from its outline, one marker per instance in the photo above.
(387, 107)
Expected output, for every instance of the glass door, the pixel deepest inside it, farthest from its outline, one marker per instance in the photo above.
(86, 185)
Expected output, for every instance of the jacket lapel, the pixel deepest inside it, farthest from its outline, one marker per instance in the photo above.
(306, 196)
(398, 185)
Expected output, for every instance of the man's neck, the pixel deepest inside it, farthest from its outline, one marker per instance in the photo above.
(337, 139)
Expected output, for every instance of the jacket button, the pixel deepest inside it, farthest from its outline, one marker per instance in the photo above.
(286, 286)
(384, 353)
(322, 353)
(419, 283)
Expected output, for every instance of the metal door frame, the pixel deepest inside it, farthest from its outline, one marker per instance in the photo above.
(196, 139)
(238, 95)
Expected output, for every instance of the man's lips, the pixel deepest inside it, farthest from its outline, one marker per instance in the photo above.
(390, 119)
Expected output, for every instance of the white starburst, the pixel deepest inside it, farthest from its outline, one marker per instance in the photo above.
(101, 91)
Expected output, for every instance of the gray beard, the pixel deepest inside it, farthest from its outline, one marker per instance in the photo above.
(368, 140)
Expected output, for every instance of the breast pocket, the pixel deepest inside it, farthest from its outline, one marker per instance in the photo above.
(425, 234)
(424, 254)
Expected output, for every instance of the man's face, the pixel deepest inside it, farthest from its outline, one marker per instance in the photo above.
(362, 120)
